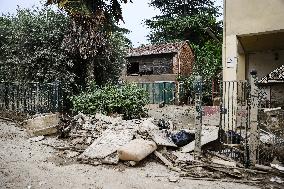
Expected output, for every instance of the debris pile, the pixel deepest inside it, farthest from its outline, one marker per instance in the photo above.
(101, 139)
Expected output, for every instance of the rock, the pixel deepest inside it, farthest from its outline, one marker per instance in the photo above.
(173, 179)
(136, 150)
(89, 140)
(107, 144)
(42, 124)
(71, 154)
(36, 139)
(277, 180)
(209, 134)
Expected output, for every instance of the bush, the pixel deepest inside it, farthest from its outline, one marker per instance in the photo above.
(128, 100)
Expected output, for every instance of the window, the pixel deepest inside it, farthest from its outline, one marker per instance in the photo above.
(133, 68)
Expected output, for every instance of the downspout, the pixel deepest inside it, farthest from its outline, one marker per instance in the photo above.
(224, 36)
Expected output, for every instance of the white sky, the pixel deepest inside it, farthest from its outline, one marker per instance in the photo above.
(133, 13)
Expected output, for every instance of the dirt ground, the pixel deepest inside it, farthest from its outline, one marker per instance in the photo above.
(26, 164)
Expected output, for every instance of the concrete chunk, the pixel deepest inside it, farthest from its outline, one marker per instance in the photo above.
(42, 125)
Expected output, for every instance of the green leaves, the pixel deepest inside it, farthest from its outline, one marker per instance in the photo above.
(128, 100)
(193, 20)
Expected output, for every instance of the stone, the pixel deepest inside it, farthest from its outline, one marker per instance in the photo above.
(36, 139)
(173, 179)
(71, 154)
(42, 124)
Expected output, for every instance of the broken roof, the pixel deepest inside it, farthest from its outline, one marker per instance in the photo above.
(156, 49)
(276, 76)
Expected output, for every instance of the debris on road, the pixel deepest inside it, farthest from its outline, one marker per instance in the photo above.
(42, 124)
(136, 150)
(209, 134)
(104, 139)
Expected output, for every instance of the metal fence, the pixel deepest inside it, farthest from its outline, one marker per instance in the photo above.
(160, 92)
(246, 135)
(30, 97)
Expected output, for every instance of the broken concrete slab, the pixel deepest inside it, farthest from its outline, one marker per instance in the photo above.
(107, 144)
(42, 124)
(209, 134)
(136, 150)
(161, 139)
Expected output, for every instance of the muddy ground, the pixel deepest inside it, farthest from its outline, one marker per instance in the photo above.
(26, 164)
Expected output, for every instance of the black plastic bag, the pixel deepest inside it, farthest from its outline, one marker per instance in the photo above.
(182, 138)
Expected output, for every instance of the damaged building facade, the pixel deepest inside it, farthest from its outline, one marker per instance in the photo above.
(254, 40)
(158, 63)
(156, 69)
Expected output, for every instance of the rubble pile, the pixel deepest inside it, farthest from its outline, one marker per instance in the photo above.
(101, 139)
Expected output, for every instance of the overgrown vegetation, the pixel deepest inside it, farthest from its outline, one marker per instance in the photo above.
(128, 100)
(36, 46)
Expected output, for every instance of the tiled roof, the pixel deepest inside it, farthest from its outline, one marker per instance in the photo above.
(276, 76)
(156, 49)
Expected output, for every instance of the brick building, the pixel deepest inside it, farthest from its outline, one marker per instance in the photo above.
(159, 63)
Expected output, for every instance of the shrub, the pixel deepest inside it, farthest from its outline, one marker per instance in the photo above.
(128, 100)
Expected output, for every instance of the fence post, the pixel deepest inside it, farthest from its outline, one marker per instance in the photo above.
(197, 85)
(254, 131)
(55, 96)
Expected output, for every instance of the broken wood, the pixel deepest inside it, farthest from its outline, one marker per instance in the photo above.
(224, 162)
(223, 180)
(166, 162)
(262, 167)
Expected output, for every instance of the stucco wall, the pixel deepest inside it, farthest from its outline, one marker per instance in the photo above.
(246, 18)
(265, 62)
(253, 16)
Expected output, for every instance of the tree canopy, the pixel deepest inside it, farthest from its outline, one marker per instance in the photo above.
(34, 48)
(93, 21)
(191, 20)
(195, 21)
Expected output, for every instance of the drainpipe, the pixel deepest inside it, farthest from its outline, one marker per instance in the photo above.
(224, 35)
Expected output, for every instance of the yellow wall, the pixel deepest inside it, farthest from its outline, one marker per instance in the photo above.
(265, 62)
(253, 16)
(247, 17)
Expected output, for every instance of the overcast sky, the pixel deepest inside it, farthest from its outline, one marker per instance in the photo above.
(133, 13)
